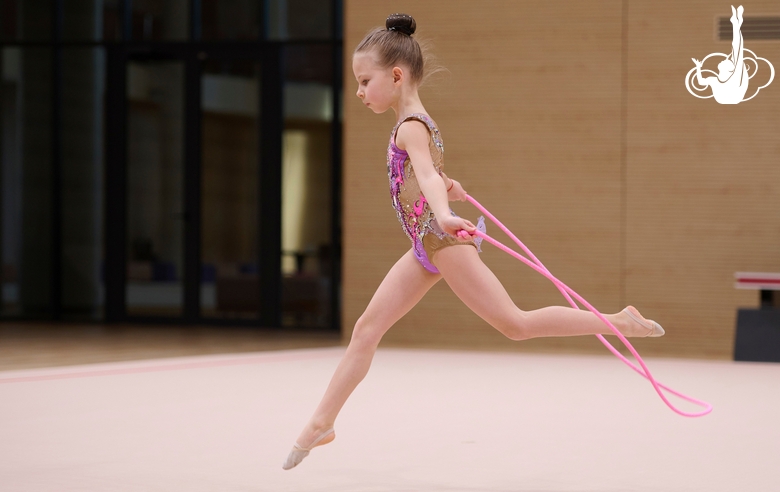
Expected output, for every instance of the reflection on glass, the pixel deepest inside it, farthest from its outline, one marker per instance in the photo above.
(160, 20)
(306, 223)
(25, 195)
(306, 187)
(155, 197)
(26, 20)
(298, 19)
(308, 63)
(83, 75)
(231, 19)
(230, 100)
(91, 20)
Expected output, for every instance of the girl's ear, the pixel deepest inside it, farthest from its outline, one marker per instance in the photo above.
(398, 74)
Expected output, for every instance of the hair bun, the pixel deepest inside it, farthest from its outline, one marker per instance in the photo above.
(402, 23)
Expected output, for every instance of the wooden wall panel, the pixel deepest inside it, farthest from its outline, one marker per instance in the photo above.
(702, 185)
(570, 121)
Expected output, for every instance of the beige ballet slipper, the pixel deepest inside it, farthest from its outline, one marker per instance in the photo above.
(298, 452)
(654, 329)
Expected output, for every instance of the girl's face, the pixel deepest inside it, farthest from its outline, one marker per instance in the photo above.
(378, 87)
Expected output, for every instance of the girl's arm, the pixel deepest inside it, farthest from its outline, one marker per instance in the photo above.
(454, 190)
(413, 137)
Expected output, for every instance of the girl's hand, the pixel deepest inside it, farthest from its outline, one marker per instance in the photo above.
(456, 192)
(452, 225)
(697, 62)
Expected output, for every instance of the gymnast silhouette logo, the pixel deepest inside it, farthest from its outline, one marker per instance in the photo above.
(730, 84)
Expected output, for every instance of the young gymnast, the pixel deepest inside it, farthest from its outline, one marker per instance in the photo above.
(389, 67)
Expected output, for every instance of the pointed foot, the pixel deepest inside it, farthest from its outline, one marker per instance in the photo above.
(652, 328)
(298, 452)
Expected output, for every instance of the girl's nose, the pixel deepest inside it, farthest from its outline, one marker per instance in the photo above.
(359, 94)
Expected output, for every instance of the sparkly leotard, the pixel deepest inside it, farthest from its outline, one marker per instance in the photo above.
(412, 208)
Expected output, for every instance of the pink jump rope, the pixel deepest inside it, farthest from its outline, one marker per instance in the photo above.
(567, 292)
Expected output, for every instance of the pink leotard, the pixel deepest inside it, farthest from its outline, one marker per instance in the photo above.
(416, 217)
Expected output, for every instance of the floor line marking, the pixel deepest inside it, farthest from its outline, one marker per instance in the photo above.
(166, 367)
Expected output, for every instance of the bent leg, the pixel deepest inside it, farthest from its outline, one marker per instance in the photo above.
(476, 285)
(402, 288)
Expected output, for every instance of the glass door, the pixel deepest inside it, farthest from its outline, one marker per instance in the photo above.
(183, 187)
(219, 177)
(154, 237)
(230, 145)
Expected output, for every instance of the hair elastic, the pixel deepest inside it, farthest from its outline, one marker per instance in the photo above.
(398, 29)
(568, 293)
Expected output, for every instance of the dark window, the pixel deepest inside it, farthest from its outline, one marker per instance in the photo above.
(27, 181)
(144, 153)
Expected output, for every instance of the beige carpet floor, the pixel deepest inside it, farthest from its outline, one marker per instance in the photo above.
(421, 421)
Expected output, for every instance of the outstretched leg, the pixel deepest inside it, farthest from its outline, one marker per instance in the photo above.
(402, 288)
(736, 37)
(476, 285)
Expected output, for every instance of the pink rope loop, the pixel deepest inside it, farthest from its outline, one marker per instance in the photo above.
(567, 293)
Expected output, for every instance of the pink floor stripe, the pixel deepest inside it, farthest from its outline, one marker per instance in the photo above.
(232, 361)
